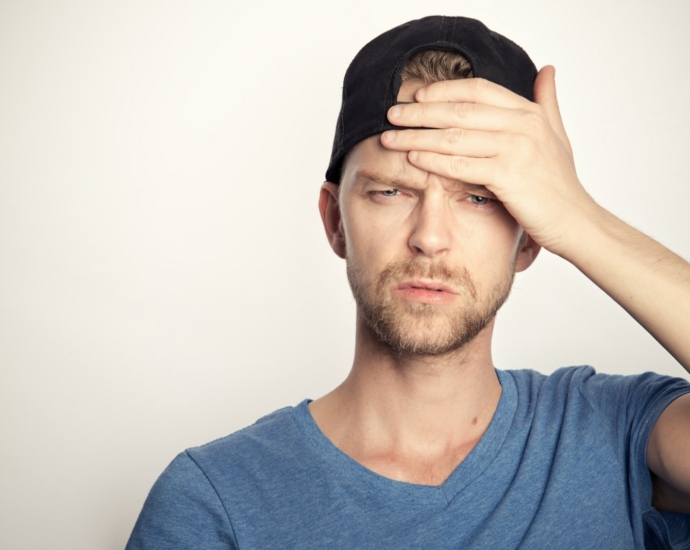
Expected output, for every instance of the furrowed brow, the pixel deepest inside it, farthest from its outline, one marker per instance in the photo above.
(472, 188)
(382, 179)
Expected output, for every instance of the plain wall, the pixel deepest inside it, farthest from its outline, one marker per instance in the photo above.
(165, 279)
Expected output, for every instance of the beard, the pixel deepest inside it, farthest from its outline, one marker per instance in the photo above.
(414, 328)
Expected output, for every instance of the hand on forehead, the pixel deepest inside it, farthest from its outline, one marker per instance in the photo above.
(478, 132)
(471, 103)
(371, 162)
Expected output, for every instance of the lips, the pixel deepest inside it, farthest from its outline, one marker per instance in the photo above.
(427, 292)
(425, 285)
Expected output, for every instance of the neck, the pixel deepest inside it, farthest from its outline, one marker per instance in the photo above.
(406, 406)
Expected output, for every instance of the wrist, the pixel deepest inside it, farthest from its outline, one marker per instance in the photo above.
(580, 224)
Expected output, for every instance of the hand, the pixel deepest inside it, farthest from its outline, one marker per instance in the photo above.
(485, 134)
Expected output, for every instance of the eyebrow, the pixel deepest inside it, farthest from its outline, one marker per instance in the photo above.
(380, 178)
(385, 179)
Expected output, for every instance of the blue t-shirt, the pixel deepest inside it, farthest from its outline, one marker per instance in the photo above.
(561, 465)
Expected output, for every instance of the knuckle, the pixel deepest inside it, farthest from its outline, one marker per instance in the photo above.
(454, 135)
(458, 164)
(534, 121)
(461, 110)
(420, 110)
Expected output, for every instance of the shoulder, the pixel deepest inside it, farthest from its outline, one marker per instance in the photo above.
(182, 510)
(190, 504)
(229, 457)
(533, 386)
(590, 384)
(620, 400)
(275, 430)
(273, 447)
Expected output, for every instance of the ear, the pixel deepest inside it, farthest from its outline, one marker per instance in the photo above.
(527, 252)
(329, 206)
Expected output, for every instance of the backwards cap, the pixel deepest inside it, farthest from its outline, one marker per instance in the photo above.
(373, 80)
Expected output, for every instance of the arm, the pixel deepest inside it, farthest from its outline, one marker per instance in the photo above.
(649, 281)
(519, 150)
(653, 285)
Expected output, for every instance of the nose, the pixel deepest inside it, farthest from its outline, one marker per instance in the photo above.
(431, 235)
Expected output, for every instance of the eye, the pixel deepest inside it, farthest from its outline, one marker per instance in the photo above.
(384, 195)
(479, 200)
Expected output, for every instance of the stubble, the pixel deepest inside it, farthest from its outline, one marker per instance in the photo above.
(414, 328)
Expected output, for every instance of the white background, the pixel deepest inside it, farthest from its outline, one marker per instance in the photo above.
(165, 279)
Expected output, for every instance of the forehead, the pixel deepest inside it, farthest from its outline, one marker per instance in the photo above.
(369, 163)
(370, 157)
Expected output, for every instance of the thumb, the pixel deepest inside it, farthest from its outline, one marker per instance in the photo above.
(545, 95)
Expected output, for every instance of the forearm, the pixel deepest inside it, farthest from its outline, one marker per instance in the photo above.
(649, 281)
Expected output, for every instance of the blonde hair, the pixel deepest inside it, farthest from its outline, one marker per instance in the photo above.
(435, 65)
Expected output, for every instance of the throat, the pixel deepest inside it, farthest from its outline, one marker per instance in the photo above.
(418, 469)
(414, 425)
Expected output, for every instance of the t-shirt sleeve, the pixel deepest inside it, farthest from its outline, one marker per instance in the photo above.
(182, 511)
(628, 408)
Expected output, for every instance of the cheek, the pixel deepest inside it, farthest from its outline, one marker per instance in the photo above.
(366, 250)
(374, 239)
(488, 243)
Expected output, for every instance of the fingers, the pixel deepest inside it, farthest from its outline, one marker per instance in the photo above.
(450, 141)
(545, 95)
(451, 115)
(482, 133)
(476, 103)
(479, 171)
(471, 90)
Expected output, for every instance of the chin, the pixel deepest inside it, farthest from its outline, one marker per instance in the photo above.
(417, 328)
(430, 333)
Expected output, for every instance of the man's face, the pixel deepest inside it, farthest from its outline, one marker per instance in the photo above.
(430, 260)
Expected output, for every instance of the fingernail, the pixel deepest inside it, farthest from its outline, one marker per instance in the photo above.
(395, 112)
(413, 155)
(390, 135)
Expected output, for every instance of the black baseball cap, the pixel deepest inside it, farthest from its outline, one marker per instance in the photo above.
(373, 80)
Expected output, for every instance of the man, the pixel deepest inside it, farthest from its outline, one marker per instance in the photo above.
(450, 170)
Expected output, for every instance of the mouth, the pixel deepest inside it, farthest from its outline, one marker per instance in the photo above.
(419, 284)
(430, 292)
